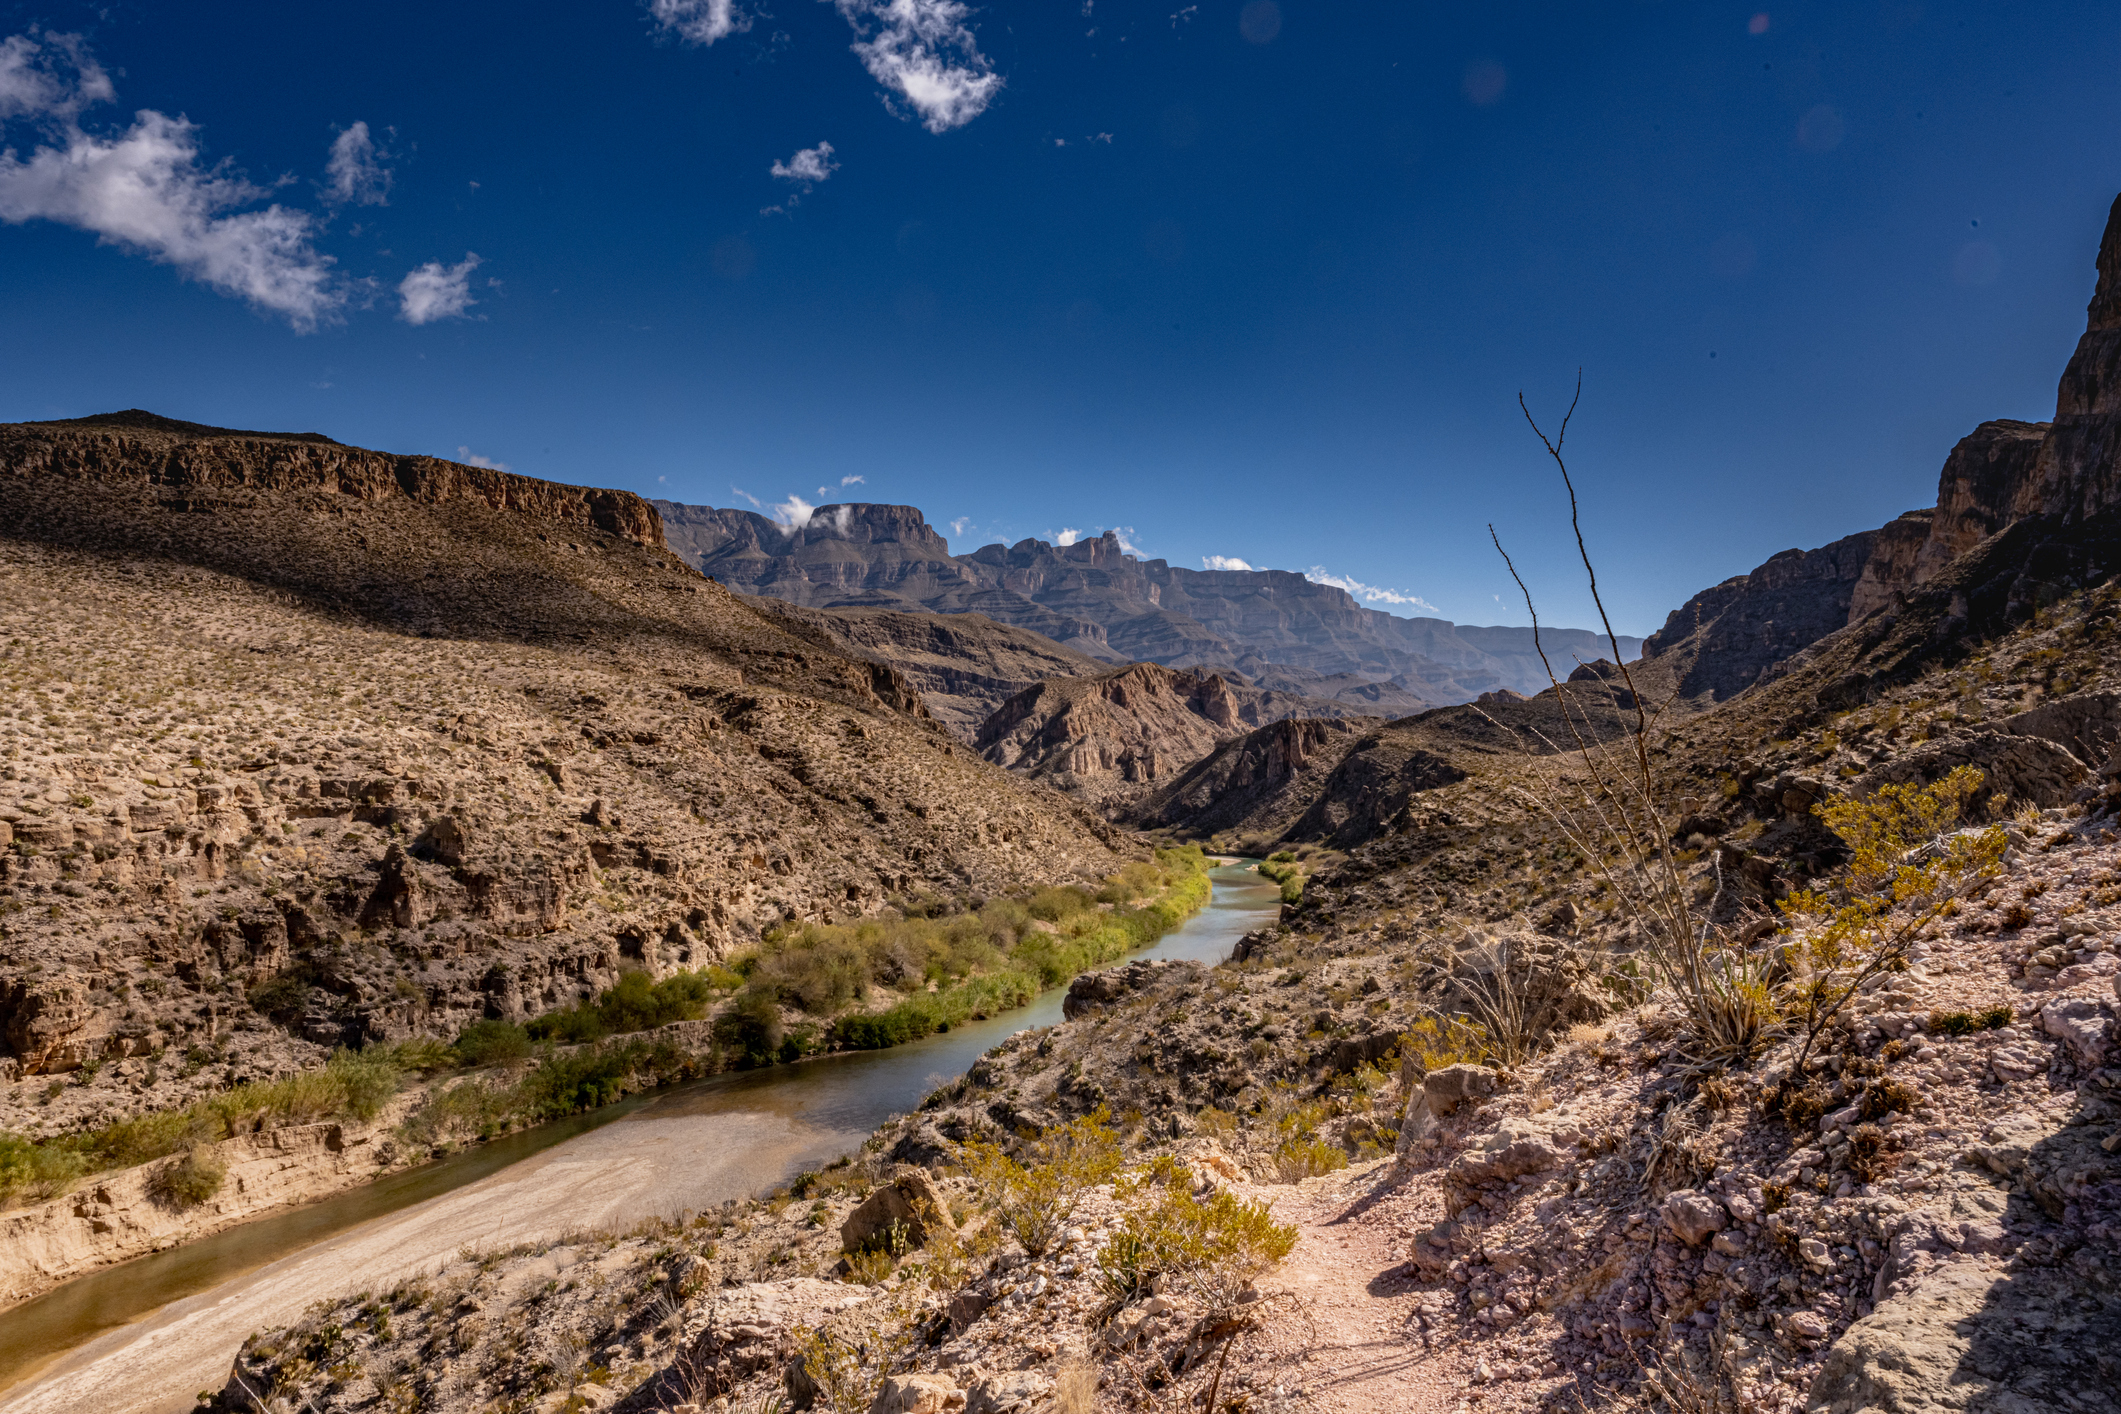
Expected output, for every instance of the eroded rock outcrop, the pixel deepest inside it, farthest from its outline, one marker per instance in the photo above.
(1127, 729)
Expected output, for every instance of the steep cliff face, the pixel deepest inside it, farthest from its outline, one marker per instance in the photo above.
(1987, 482)
(1115, 734)
(2052, 486)
(1094, 597)
(142, 449)
(1727, 638)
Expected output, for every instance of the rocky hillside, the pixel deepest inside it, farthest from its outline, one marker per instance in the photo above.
(306, 745)
(964, 666)
(1094, 597)
(1109, 736)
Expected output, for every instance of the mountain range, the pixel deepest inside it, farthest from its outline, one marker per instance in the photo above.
(1271, 629)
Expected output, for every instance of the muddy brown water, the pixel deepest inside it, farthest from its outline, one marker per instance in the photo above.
(146, 1336)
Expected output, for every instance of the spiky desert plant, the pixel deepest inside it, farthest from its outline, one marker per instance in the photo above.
(1616, 817)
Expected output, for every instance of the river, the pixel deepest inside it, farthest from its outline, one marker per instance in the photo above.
(146, 1336)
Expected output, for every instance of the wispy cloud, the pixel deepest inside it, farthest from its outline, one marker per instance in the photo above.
(847, 481)
(1222, 562)
(1372, 593)
(926, 57)
(809, 166)
(358, 176)
(755, 501)
(470, 458)
(145, 190)
(1124, 534)
(792, 514)
(958, 526)
(698, 21)
(437, 291)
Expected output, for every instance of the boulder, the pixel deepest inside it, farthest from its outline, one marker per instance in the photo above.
(1509, 1151)
(918, 1394)
(1978, 1336)
(1694, 1216)
(1439, 1095)
(1007, 1394)
(2079, 1024)
(1447, 1087)
(909, 1200)
(732, 1334)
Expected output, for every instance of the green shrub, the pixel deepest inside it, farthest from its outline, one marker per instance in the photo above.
(491, 1042)
(636, 1002)
(1296, 1159)
(189, 1180)
(1034, 1198)
(282, 998)
(1212, 1246)
(1966, 1023)
(751, 1027)
(35, 1173)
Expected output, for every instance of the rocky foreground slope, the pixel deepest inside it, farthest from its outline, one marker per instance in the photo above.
(418, 743)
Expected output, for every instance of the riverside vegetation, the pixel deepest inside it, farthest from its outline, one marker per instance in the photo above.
(806, 989)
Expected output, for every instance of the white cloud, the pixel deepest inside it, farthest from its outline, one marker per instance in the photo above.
(957, 527)
(358, 176)
(1222, 562)
(1067, 537)
(847, 481)
(809, 166)
(698, 21)
(437, 291)
(33, 86)
(470, 458)
(740, 491)
(145, 190)
(1124, 534)
(793, 514)
(1317, 575)
(923, 52)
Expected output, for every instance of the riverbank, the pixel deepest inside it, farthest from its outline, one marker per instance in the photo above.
(128, 1212)
(693, 1146)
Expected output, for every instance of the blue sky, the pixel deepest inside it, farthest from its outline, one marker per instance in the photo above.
(1258, 280)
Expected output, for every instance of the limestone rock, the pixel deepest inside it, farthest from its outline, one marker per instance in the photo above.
(918, 1394)
(1095, 597)
(1128, 728)
(1694, 1216)
(736, 1332)
(1980, 1337)
(2081, 1024)
(1015, 1393)
(910, 1202)
(1447, 1087)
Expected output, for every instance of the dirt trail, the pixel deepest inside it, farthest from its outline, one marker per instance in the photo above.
(1369, 1354)
(633, 1169)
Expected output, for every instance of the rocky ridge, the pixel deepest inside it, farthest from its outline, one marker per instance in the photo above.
(1276, 628)
(964, 666)
(1108, 736)
(2053, 489)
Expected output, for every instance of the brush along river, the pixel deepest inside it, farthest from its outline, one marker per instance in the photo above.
(145, 1337)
